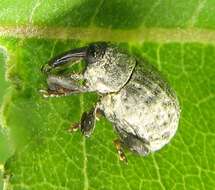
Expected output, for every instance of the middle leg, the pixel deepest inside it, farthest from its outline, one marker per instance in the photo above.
(88, 121)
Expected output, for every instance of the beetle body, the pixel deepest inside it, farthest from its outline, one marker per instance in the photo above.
(143, 108)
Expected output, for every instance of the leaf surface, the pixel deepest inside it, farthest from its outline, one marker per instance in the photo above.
(178, 38)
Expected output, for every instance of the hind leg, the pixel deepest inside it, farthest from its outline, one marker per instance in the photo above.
(119, 147)
(132, 143)
(135, 144)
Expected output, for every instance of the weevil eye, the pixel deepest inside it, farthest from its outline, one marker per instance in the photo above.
(96, 51)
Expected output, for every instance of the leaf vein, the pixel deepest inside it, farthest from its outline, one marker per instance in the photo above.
(158, 35)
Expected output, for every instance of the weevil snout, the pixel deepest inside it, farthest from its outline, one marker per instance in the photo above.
(89, 54)
(65, 84)
(69, 57)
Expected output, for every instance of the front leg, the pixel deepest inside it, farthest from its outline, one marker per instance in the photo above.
(64, 86)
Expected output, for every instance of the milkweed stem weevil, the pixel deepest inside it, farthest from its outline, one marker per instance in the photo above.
(142, 107)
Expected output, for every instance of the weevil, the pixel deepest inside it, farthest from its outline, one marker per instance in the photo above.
(135, 98)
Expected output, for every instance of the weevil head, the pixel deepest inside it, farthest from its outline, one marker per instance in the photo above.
(95, 52)
(108, 67)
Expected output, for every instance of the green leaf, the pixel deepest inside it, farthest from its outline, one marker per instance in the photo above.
(177, 37)
(5, 150)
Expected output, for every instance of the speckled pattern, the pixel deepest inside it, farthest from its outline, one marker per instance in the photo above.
(145, 107)
(110, 71)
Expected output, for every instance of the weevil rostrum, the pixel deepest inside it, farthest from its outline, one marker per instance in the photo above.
(142, 107)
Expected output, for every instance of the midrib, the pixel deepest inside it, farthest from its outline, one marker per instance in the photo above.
(158, 35)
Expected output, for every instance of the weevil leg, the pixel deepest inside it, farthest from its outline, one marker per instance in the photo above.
(62, 86)
(77, 76)
(140, 146)
(71, 56)
(119, 147)
(88, 121)
(74, 128)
